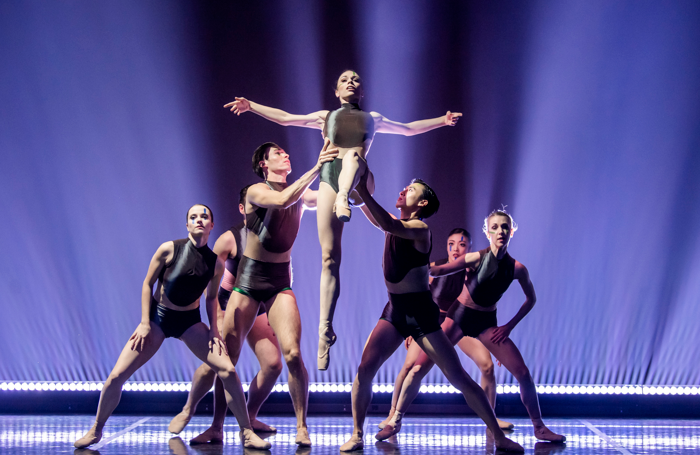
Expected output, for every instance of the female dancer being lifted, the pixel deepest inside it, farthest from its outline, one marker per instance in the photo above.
(350, 130)
(183, 268)
(448, 291)
(491, 271)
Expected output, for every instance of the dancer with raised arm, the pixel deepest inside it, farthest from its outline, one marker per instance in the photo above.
(411, 310)
(446, 291)
(490, 272)
(351, 130)
(273, 211)
(183, 269)
(261, 339)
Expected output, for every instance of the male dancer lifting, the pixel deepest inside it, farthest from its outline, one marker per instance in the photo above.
(273, 211)
(411, 310)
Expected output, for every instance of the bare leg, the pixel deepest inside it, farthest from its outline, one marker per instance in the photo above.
(197, 339)
(510, 357)
(283, 315)
(411, 356)
(129, 361)
(354, 167)
(481, 356)
(215, 433)
(382, 343)
(330, 232)
(441, 351)
(202, 381)
(263, 342)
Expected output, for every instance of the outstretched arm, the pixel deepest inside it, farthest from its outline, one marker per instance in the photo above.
(312, 120)
(523, 277)
(411, 229)
(384, 125)
(461, 263)
(262, 196)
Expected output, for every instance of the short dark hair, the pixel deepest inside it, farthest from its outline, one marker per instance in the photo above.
(242, 194)
(429, 195)
(261, 154)
(461, 231)
(187, 215)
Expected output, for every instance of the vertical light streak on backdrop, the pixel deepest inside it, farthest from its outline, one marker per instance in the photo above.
(610, 120)
(97, 170)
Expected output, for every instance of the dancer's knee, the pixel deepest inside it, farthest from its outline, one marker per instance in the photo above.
(522, 374)
(417, 372)
(293, 359)
(330, 259)
(366, 372)
(226, 372)
(272, 368)
(487, 370)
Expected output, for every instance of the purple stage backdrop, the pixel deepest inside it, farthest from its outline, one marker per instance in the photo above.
(583, 117)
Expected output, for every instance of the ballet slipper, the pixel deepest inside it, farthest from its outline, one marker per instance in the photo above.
(250, 440)
(354, 443)
(302, 439)
(179, 422)
(342, 208)
(93, 436)
(503, 425)
(260, 427)
(383, 423)
(209, 436)
(326, 339)
(392, 427)
(545, 434)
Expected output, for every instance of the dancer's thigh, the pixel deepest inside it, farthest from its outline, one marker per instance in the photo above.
(239, 318)
(197, 340)
(475, 350)
(263, 342)
(284, 319)
(330, 228)
(506, 352)
(130, 360)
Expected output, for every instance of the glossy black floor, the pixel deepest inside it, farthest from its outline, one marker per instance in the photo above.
(420, 435)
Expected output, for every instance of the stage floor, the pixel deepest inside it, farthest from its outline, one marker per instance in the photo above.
(420, 435)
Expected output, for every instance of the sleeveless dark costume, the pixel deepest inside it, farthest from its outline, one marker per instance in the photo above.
(183, 280)
(413, 314)
(486, 285)
(277, 229)
(348, 126)
(446, 289)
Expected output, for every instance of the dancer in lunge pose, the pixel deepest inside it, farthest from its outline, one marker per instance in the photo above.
(445, 291)
(273, 211)
(411, 310)
(490, 272)
(261, 339)
(183, 268)
(351, 130)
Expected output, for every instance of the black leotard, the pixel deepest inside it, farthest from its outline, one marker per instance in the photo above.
(187, 275)
(276, 228)
(348, 126)
(240, 233)
(491, 278)
(446, 289)
(400, 257)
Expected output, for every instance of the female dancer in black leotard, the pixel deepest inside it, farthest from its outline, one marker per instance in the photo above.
(446, 292)
(183, 268)
(351, 130)
(491, 272)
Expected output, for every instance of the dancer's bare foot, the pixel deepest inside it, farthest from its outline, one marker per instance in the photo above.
(545, 434)
(383, 423)
(354, 443)
(210, 436)
(326, 339)
(93, 436)
(503, 425)
(251, 440)
(179, 422)
(507, 445)
(302, 439)
(261, 427)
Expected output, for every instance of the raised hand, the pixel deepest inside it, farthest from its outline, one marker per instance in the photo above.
(451, 118)
(139, 337)
(241, 105)
(326, 154)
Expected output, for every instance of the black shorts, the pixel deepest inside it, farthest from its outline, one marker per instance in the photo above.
(413, 314)
(173, 323)
(262, 280)
(330, 172)
(225, 295)
(471, 321)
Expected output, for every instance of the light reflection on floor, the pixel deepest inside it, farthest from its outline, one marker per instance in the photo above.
(55, 434)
